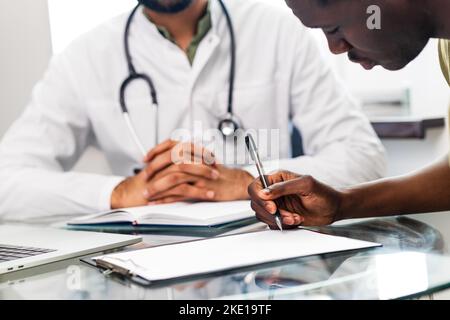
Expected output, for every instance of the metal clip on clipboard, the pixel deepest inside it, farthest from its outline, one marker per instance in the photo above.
(108, 269)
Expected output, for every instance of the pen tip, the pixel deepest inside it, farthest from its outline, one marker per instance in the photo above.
(279, 224)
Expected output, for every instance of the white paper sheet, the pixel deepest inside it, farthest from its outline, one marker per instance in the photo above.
(218, 254)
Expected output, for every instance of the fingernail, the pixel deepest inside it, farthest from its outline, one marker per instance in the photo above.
(270, 208)
(266, 191)
(210, 194)
(288, 221)
(215, 174)
(146, 194)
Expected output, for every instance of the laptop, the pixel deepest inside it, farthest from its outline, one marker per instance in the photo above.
(23, 247)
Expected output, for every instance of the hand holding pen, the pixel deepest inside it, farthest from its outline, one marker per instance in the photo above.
(300, 199)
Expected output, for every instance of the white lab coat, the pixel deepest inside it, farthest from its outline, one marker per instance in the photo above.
(281, 79)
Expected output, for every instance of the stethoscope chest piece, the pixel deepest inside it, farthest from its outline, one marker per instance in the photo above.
(229, 125)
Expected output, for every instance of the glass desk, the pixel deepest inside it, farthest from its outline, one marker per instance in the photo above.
(411, 264)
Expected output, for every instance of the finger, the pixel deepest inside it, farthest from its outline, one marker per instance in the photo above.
(156, 187)
(167, 200)
(253, 191)
(303, 186)
(160, 162)
(254, 188)
(184, 152)
(262, 215)
(298, 220)
(267, 218)
(199, 170)
(188, 152)
(290, 218)
(188, 191)
(291, 204)
(276, 177)
(162, 147)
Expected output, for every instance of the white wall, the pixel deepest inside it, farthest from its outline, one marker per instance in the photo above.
(24, 54)
(428, 90)
(70, 18)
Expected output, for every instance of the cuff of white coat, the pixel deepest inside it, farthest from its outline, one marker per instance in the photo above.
(104, 201)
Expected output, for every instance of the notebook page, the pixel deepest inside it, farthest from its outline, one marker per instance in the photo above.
(180, 213)
(200, 211)
(218, 254)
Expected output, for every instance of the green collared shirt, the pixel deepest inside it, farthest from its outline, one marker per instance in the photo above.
(203, 27)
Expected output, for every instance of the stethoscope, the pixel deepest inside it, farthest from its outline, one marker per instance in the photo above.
(227, 126)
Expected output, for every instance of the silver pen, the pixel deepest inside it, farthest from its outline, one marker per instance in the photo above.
(253, 150)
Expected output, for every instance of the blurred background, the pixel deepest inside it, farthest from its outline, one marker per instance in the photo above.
(32, 30)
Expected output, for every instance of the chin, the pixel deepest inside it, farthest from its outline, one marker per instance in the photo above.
(394, 66)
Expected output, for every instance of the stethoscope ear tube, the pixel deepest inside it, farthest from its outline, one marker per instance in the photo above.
(128, 81)
(233, 57)
(126, 114)
(133, 133)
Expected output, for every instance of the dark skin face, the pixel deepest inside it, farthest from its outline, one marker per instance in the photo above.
(403, 34)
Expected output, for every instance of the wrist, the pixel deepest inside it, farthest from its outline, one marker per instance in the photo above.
(117, 196)
(245, 181)
(346, 205)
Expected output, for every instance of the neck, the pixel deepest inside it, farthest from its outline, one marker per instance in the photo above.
(438, 15)
(182, 25)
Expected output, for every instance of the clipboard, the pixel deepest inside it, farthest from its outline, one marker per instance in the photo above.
(155, 266)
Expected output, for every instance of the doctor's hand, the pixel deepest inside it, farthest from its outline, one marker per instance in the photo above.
(172, 152)
(160, 161)
(302, 200)
(176, 180)
(178, 172)
(181, 171)
(176, 184)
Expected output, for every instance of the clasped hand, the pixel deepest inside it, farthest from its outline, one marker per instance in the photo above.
(177, 171)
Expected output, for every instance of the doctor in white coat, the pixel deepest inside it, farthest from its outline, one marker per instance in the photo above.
(184, 47)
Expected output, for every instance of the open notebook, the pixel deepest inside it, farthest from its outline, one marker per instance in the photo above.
(182, 214)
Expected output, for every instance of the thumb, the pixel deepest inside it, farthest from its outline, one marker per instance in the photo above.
(303, 186)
